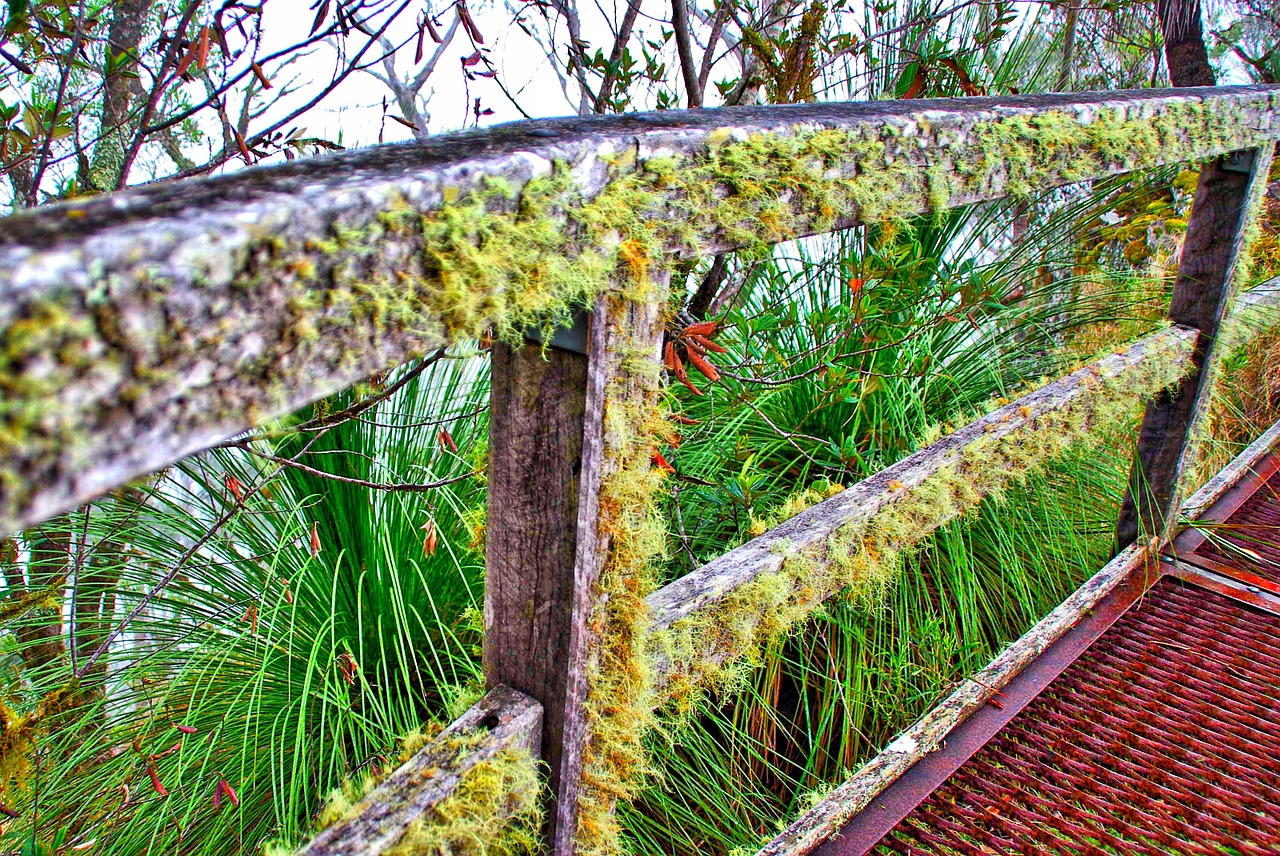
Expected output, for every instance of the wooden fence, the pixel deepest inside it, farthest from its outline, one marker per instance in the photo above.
(144, 326)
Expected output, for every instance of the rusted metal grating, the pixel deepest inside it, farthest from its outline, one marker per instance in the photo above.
(1162, 737)
(1248, 538)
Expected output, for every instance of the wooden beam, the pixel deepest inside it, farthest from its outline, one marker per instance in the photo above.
(504, 720)
(139, 327)
(809, 531)
(1226, 478)
(1255, 310)
(547, 536)
(1227, 199)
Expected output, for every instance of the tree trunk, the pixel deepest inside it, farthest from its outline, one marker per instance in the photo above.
(1184, 48)
(128, 19)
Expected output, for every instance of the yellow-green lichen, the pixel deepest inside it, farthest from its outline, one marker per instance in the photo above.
(709, 649)
(495, 811)
(21, 731)
(620, 679)
(494, 258)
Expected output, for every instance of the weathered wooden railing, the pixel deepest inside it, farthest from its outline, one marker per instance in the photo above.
(145, 326)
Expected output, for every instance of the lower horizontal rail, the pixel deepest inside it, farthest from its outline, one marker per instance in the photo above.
(1161, 355)
(466, 773)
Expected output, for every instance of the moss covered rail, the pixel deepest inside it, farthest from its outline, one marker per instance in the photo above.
(141, 327)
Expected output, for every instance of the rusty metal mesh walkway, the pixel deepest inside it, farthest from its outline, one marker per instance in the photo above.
(1158, 733)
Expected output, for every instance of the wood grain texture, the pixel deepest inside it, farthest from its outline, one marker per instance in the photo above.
(539, 403)
(1255, 310)
(506, 719)
(811, 528)
(547, 541)
(1212, 253)
(926, 735)
(188, 312)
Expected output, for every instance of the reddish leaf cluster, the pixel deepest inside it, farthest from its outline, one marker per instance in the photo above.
(694, 342)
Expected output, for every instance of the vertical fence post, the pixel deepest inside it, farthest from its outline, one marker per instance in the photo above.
(546, 543)
(1226, 201)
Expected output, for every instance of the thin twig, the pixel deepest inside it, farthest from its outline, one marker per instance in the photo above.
(157, 90)
(331, 420)
(389, 487)
(172, 573)
(63, 79)
(615, 55)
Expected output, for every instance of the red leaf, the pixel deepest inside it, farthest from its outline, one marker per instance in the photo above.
(235, 486)
(202, 48)
(432, 31)
(225, 787)
(702, 328)
(155, 781)
(186, 729)
(471, 60)
(696, 360)
(917, 84)
(315, 541)
(465, 16)
(446, 441)
(662, 463)
(430, 540)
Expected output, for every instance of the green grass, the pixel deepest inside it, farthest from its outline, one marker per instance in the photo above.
(295, 668)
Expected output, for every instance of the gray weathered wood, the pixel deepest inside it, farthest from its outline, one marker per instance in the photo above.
(538, 482)
(809, 529)
(1255, 310)
(547, 541)
(1212, 251)
(509, 720)
(927, 734)
(142, 326)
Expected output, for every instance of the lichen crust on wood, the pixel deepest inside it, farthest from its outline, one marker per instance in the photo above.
(142, 326)
(728, 609)
(927, 734)
(473, 790)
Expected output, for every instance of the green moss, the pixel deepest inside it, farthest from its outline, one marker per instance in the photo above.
(21, 731)
(495, 811)
(620, 678)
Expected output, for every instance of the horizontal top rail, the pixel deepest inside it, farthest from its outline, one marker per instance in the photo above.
(140, 327)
